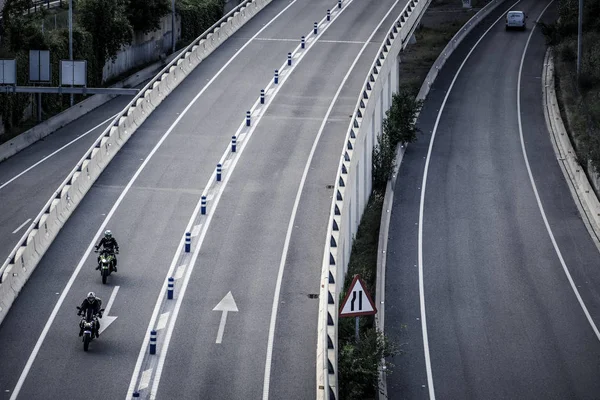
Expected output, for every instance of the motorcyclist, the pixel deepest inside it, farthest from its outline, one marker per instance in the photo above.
(94, 305)
(109, 245)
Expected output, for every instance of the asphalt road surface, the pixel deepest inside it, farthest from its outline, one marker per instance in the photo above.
(244, 243)
(502, 319)
(28, 179)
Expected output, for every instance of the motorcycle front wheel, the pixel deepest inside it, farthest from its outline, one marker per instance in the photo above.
(104, 276)
(86, 341)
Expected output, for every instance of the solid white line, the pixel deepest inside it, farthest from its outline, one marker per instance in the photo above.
(57, 151)
(221, 327)
(422, 206)
(288, 235)
(214, 200)
(67, 288)
(111, 300)
(535, 191)
(242, 146)
(21, 226)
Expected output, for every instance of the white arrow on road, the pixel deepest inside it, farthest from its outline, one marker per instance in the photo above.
(226, 305)
(106, 319)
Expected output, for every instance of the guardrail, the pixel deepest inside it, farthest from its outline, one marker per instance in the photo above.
(37, 238)
(353, 187)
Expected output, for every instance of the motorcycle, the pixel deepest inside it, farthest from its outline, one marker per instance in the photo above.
(89, 324)
(106, 264)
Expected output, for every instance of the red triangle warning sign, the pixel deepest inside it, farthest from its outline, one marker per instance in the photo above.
(357, 302)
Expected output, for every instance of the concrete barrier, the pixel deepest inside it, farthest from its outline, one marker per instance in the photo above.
(39, 235)
(353, 187)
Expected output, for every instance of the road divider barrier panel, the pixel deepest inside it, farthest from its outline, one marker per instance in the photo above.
(23, 259)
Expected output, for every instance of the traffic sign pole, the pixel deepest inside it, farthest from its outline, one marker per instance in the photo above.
(356, 329)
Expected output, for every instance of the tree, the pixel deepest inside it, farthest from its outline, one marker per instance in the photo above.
(384, 155)
(106, 21)
(401, 117)
(145, 15)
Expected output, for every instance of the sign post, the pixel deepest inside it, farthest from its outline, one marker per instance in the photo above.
(357, 303)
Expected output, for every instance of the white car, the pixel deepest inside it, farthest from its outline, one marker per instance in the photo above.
(515, 20)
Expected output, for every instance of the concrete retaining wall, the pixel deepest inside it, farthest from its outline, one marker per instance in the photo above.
(144, 49)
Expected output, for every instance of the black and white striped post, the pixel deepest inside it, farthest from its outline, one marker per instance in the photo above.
(289, 58)
(233, 144)
(328, 15)
(219, 168)
(153, 342)
(315, 28)
(170, 288)
(188, 242)
(248, 113)
(339, 3)
(203, 206)
(303, 42)
(276, 77)
(262, 96)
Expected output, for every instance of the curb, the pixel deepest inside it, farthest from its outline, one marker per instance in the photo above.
(389, 191)
(583, 194)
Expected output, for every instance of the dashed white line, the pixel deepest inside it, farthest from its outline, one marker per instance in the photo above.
(535, 191)
(422, 207)
(21, 226)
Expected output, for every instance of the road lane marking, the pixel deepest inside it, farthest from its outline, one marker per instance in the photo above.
(145, 380)
(422, 206)
(288, 236)
(100, 231)
(196, 230)
(57, 151)
(180, 271)
(225, 306)
(108, 319)
(243, 134)
(162, 321)
(21, 226)
(535, 191)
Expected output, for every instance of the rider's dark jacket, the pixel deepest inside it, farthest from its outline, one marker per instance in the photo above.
(94, 307)
(108, 244)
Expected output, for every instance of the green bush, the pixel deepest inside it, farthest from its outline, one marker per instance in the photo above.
(197, 16)
(359, 365)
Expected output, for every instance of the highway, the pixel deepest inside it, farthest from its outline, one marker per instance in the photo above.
(263, 243)
(501, 238)
(37, 171)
